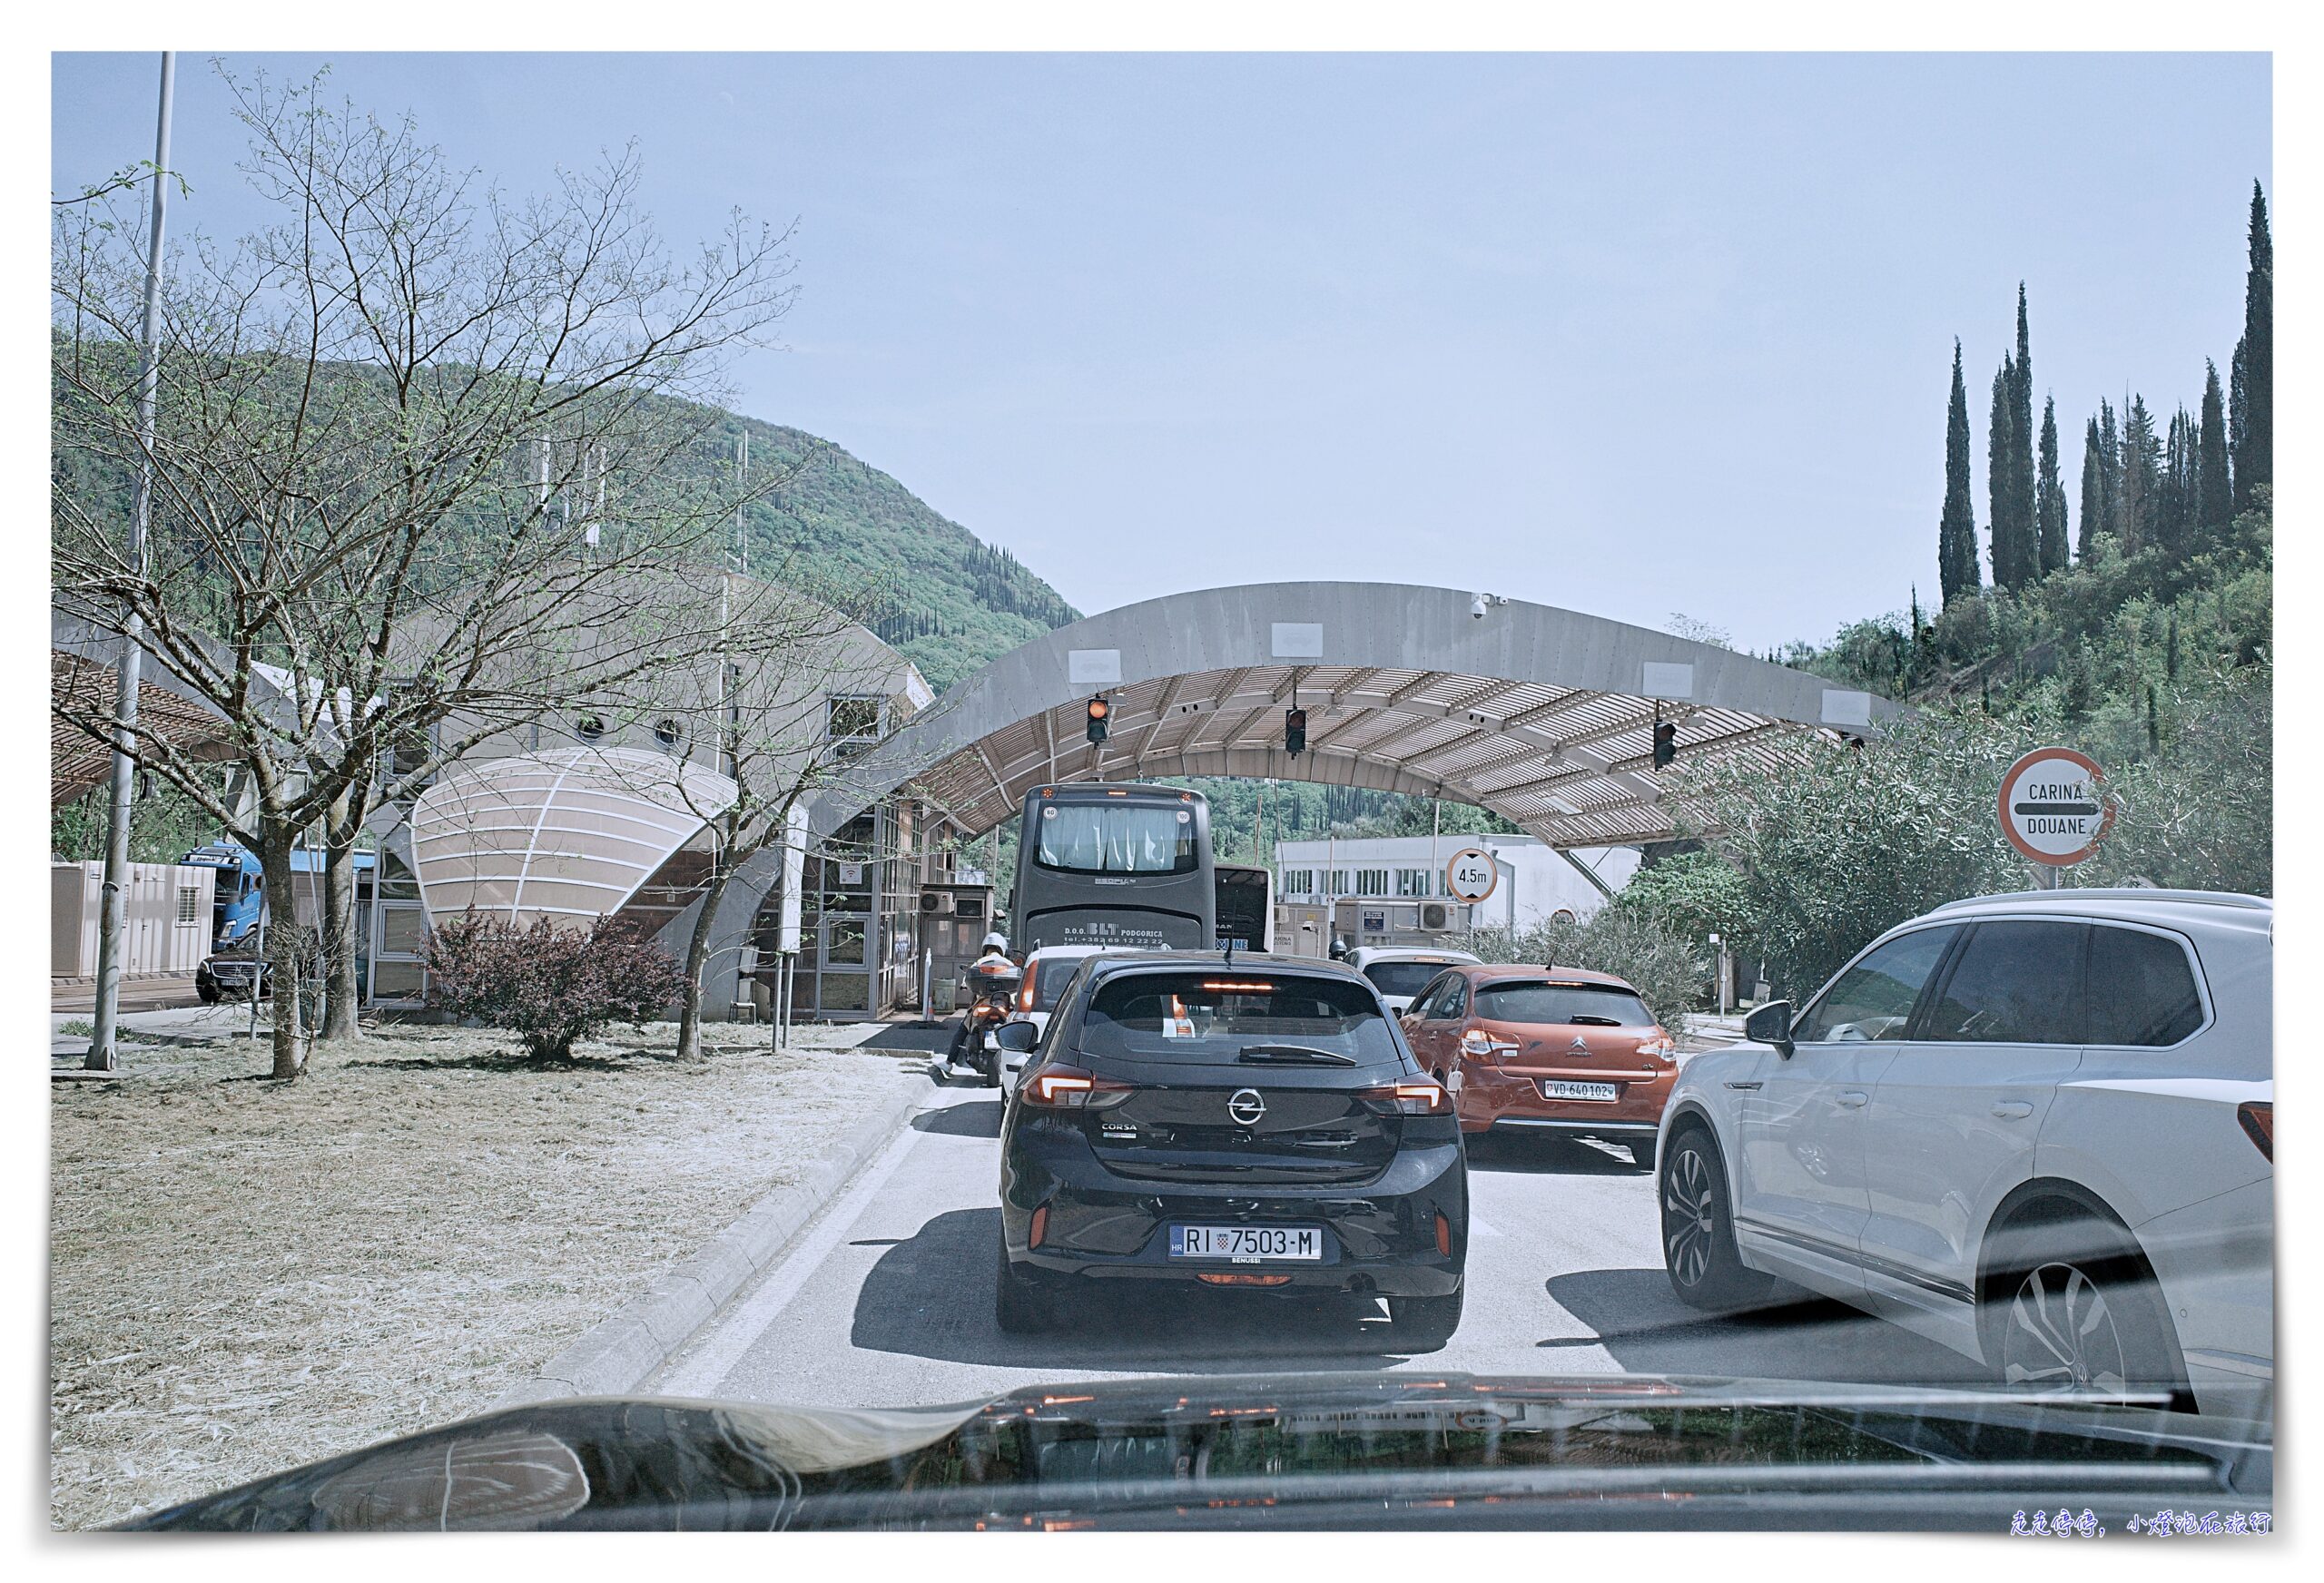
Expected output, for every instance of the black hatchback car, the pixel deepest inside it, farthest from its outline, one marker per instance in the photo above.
(1252, 1122)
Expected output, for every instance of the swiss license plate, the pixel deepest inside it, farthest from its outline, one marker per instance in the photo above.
(1551, 1089)
(1247, 1244)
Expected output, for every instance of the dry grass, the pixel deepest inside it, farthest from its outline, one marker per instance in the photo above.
(246, 1275)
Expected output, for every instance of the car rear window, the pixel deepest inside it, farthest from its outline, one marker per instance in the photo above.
(1050, 975)
(1602, 1005)
(1404, 979)
(1205, 1016)
(2141, 991)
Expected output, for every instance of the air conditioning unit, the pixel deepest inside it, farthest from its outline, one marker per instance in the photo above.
(1435, 914)
(936, 904)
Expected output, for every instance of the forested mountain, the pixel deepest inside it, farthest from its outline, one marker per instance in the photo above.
(952, 602)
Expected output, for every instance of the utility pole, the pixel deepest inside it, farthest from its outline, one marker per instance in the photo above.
(742, 482)
(113, 916)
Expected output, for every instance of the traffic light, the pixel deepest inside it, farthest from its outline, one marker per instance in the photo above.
(1666, 743)
(1100, 710)
(1294, 731)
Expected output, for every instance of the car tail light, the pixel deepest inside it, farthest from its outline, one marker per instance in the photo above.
(1040, 1227)
(1660, 1048)
(1413, 1097)
(1071, 1088)
(2259, 1119)
(1479, 1045)
(1444, 1235)
(1025, 996)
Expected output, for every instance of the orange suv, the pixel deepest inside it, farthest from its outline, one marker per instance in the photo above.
(1545, 1050)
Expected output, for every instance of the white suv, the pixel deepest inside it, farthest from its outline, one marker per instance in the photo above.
(2038, 1128)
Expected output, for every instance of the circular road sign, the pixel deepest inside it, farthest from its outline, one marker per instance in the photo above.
(1471, 875)
(2053, 806)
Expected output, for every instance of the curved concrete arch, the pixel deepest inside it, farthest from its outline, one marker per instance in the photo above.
(1507, 707)
(1542, 714)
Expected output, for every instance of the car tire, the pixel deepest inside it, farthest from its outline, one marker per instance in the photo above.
(1023, 1302)
(1699, 1228)
(1425, 1324)
(1642, 1152)
(2071, 1307)
(209, 992)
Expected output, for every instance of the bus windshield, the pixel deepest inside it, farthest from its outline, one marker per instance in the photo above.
(1117, 838)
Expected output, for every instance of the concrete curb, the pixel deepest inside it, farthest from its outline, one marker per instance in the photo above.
(618, 1353)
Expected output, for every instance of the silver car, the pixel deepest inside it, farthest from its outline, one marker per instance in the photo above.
(2038, 1128)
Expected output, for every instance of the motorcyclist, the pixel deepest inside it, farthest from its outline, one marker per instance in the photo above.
(993, 963)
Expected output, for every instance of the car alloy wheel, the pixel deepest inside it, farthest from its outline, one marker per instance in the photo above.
(1689, 1216)
(2061, 1333)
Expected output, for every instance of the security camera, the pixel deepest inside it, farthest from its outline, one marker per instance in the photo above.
(1477, 606)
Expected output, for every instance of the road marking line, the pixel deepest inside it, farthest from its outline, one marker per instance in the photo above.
(740, 1328)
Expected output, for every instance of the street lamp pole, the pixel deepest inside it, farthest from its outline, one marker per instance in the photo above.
(115, 906)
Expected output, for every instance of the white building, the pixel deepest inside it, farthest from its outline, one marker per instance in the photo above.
(1392, 891)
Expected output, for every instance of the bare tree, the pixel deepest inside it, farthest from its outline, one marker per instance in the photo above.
(800, 707)
(416, 443)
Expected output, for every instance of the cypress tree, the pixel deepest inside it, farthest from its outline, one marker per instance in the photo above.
(2051, 501)
(2217, 505)
(2142, 481)
(2093, 493)
(2255, 458)
(2110, 465)
(2175, 503)
(2001, 445)
(1956, 528)
(2024, 504)
(2239, 420)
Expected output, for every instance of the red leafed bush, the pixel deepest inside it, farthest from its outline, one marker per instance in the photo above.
(548, 986)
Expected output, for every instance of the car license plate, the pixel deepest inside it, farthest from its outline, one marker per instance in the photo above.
(1247, 1244)
(1555, 1090)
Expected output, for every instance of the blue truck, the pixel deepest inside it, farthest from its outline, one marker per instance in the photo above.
(239, 908)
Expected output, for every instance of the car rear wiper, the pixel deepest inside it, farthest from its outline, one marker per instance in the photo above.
(1291, 1053)
(1592, 1019)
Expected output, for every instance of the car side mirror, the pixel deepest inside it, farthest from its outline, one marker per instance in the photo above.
(1017, 1037)
(1771, 1025)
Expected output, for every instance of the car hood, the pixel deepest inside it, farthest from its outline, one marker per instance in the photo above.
(1397, 1449)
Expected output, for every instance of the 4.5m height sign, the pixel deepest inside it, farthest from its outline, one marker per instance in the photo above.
(2053, 806)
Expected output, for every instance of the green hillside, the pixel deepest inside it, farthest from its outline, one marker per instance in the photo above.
(955, 603)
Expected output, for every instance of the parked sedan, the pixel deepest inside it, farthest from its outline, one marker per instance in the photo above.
(1546, 1050)
(1258, 1129)
(2038, 1128)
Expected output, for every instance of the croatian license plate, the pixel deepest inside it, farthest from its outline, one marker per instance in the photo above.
(1248, 1244)
(1556, 1090)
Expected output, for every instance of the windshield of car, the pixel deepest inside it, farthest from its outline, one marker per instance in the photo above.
(1602, 1005)
(1401, 979)
(1223, 1016)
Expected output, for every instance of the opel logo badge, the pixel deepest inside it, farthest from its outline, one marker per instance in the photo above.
(1246, 1108)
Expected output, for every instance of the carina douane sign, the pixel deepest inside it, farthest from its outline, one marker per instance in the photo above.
(2053, 806)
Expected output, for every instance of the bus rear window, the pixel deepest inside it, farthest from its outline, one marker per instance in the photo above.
(1119, 837)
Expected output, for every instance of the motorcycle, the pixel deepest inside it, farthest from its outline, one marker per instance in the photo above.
(995, 990)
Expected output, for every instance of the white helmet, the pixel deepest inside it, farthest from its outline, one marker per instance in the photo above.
(996, 942)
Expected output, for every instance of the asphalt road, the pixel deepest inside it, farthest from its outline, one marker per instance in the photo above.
(887, 1299)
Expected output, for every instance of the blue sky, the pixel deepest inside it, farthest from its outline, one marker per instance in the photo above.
(1630, 334)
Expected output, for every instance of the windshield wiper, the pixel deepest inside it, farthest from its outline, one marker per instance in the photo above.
(1592, 1019)
(1294, 1053)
